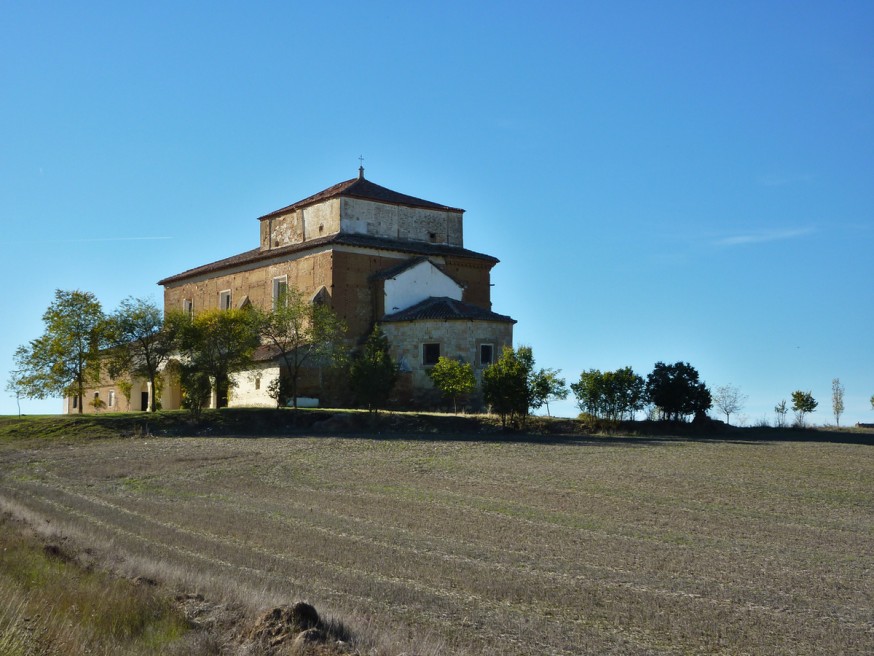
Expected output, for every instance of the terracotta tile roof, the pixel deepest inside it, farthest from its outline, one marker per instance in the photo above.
(362, 188)
(340, 239)
(265, 353)
(398, 269)
(447, 309)
(392, 271)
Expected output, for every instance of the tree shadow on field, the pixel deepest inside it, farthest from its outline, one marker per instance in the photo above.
(246, 423)
(249, 423)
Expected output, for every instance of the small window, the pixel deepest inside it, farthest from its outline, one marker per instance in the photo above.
(225, 300)
(111, 403)
(75, 402)
(188, 307)
(486, 354)
(280, 291)
(432, 237)
(257, 382)
(430, 354)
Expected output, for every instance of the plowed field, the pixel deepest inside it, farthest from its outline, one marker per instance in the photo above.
(468, 546)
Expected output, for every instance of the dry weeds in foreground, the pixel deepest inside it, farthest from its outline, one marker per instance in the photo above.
(484, 547)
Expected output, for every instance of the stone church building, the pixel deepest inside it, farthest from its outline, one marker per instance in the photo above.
(375, 256)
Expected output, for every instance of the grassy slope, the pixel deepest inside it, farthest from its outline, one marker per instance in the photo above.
(52, 605)
(461, 542)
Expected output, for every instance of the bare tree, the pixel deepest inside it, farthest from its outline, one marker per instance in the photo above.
(781, 409)
(14, 386)
(728, 400)
(837, 400)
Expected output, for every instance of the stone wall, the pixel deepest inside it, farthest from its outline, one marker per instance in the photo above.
(303, 224)
(307, 274)
(457, 339)
(111, 393)
(250, 387)
(366, 217)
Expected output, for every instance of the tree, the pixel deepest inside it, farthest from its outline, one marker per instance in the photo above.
(872, 402)
(67, 355)
(139, 342)
(453, 379)
(676, 390)
(589, 393)
(301, 332)
(547, 386)
(728, 400)
(14, 386)
(196, 388)
(506, 384)
(373, 374)
(626, 393)
(215, 344)
(802, 403)
(610, 395)
(781, 409)
(837, 400)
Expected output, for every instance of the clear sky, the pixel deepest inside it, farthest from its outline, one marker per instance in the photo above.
(661, 180)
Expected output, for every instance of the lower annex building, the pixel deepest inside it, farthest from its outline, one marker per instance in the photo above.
(375, 256)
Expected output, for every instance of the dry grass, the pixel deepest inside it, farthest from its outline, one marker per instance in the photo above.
(52, 605)
(462, 546)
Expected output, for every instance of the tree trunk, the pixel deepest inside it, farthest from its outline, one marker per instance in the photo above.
(152, 395)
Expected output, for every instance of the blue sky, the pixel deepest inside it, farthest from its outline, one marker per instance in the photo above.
(661, 180)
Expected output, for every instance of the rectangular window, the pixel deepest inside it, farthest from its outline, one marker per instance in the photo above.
(280, 290)
(225, 300)
(75, 402)
(430, 354)
(188, 307)
(486, 354)
(111, 403)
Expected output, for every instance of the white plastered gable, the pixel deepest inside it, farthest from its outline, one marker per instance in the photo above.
(414, 285)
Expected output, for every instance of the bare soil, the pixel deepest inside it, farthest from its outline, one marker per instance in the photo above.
(485, 543)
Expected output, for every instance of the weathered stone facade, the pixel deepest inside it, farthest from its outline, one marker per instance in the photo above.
(461, 339)
(371, 254)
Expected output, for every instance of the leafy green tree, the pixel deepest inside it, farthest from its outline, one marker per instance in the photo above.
(675, 389)
(373, 373)
(546, 386)
(67, 355)
(728, 399)
(802, 403)
(506, 385)
(589, 393)
(453, 378)
(611, 395)
(301, 332)
(781, 409)
(837, 400)
(196, 388)
(626, 393)
(139, 342)
(215, 344)
(872, 401)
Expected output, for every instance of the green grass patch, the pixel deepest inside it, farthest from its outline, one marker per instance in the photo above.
(52, 605)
